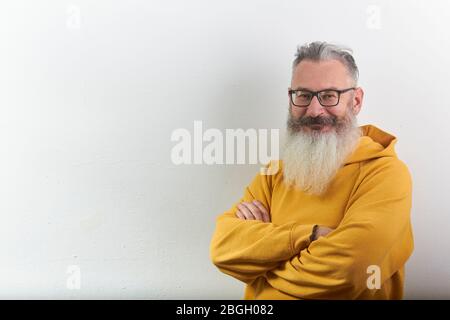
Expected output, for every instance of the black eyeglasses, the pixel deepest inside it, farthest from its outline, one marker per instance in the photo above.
(327, 97)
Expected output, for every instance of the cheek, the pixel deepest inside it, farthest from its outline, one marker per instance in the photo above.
(297, 112)
(338, 112)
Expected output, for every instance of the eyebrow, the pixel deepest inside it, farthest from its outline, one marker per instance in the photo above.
(307, 89)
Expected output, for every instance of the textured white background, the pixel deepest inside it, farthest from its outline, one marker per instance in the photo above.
(90, 92)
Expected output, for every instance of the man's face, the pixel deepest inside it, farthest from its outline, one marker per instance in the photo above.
(320, 138)
(320, 75)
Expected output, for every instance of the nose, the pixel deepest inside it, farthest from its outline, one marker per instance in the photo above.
(315, 108)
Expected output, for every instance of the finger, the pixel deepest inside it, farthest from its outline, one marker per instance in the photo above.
(248, 215)
(254, 210)
(263, 209)
(323, 231)
(240, 215)
(259, 215)
(328, 231)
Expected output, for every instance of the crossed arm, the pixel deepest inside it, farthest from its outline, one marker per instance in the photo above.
(255, 210)
(374, 231)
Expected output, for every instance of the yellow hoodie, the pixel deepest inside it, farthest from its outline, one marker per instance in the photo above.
(368, 203)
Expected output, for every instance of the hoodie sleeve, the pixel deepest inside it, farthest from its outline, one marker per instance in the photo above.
(247, 249)
(375, 231)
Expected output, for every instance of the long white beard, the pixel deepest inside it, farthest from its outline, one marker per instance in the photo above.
(312, 159)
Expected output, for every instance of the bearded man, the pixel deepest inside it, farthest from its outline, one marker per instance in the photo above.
(333, 222)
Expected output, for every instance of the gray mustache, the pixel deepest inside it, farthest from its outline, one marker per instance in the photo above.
(307, 121)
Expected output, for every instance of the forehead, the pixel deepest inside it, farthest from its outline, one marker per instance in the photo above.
(317, 75)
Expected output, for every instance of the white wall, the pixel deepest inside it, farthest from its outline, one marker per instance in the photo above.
(90, 92)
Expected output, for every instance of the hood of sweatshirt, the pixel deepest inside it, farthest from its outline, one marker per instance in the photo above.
(373, 143)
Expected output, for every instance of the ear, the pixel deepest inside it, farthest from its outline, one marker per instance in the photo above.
(358, 97)
(289, 98)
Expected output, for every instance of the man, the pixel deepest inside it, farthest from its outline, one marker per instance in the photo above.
(334, 221)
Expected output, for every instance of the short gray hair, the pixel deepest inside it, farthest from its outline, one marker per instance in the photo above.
(319, 51)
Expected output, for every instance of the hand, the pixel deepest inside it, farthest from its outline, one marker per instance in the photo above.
(321, 231)
(252, 211)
